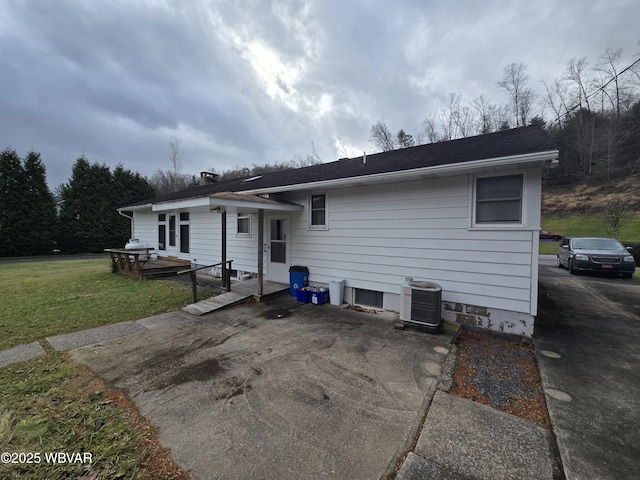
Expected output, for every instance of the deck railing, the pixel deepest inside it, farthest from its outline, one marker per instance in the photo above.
(226, 277)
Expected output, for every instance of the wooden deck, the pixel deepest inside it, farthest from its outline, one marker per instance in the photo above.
(163, 266)
(139, 263)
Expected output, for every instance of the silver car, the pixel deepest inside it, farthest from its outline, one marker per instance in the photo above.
(580, 254)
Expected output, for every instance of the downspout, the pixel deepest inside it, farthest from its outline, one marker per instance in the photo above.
(131, 219)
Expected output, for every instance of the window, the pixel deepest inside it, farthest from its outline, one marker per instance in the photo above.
(318, 211)
(172, 230)
(184, 232)
(499, 199)
(162, 231)
(370, 298)
(244, 225)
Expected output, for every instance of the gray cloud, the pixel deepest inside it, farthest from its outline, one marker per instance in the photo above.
(254, 82)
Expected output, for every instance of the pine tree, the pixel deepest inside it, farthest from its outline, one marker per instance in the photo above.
(89, 220)
(12, 209)
(41, 233)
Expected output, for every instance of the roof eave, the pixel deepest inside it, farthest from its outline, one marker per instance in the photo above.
(517, 161)
(135, 208)
(233, 204)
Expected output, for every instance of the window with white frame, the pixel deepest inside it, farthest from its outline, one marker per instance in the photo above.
(243, 225)
(499, 199)
(162, 231)
(184, 232)
(318, 211)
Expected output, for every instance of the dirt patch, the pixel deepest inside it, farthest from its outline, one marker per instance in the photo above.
(501, 373)
(589, 198)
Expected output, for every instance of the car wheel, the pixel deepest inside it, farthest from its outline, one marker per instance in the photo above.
(571, 269)
(558, 262)
(555, 238)
(627, 275)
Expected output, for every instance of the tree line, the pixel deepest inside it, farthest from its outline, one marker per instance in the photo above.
(82, 217)
(591, 111)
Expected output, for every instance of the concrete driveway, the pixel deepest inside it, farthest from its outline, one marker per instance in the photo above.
(587, 341)
(284, 390)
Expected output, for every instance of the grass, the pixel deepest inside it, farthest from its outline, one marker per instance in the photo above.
(49, 404)
(49, 298)
(586, 226)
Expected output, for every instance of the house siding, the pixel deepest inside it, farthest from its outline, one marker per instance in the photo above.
(378, 236)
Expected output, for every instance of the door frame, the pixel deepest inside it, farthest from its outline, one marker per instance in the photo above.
(274, 271)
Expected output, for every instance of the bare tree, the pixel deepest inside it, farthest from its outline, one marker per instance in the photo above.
(576, 74)
(341, 148)
(431, 129)
(514, 83)
(167, 181)
(448, 117)
(609, 65)
(527, 99)
(465, 120)
(615, 213)
(555, 98)
(382, 137)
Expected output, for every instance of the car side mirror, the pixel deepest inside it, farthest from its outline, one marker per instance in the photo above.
(565, 246)
(630, 249)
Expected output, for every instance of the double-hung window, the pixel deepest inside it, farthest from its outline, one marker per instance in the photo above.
(318, 211)
(499, 199)
(244, 225)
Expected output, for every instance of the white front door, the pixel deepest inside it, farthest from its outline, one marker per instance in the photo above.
(277, 249)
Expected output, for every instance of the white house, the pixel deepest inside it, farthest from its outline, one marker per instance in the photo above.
(464, 214)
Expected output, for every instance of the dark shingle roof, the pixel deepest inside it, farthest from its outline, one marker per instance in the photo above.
(506, 143)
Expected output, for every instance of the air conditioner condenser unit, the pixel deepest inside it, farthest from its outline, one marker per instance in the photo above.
(420, 303)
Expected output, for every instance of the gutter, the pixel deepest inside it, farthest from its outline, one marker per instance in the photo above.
(130, 219)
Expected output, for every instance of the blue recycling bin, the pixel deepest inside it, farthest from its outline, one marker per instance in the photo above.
(298, 278)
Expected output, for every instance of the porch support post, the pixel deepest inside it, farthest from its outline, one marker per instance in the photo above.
(260, 251)
(226, 274)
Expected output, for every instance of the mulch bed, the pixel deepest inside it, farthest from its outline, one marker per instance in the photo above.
(501, 373)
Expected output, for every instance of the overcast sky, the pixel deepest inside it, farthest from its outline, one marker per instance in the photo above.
(243, 82)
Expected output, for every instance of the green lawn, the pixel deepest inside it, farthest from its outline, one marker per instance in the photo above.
(586, 226)
(42, 299)
(49, 404)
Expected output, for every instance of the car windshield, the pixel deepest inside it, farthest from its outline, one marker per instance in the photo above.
(597, 244)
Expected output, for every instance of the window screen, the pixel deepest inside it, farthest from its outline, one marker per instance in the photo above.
(243, 224)
(499, 199)
(318, 210)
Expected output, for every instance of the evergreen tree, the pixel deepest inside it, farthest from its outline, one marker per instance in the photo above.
(13, 214)
(89, 220)
(39, 200)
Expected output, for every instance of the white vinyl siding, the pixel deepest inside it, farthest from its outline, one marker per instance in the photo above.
(145, 228)
(382, 234)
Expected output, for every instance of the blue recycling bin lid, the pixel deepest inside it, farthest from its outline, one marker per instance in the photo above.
(298, 268)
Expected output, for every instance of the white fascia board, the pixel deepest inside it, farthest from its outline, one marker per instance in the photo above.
(212, 202)
(181, 204)
(424, 172)
(253, 205)
(135, 208)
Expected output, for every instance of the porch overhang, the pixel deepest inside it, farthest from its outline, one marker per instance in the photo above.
(230, 202)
